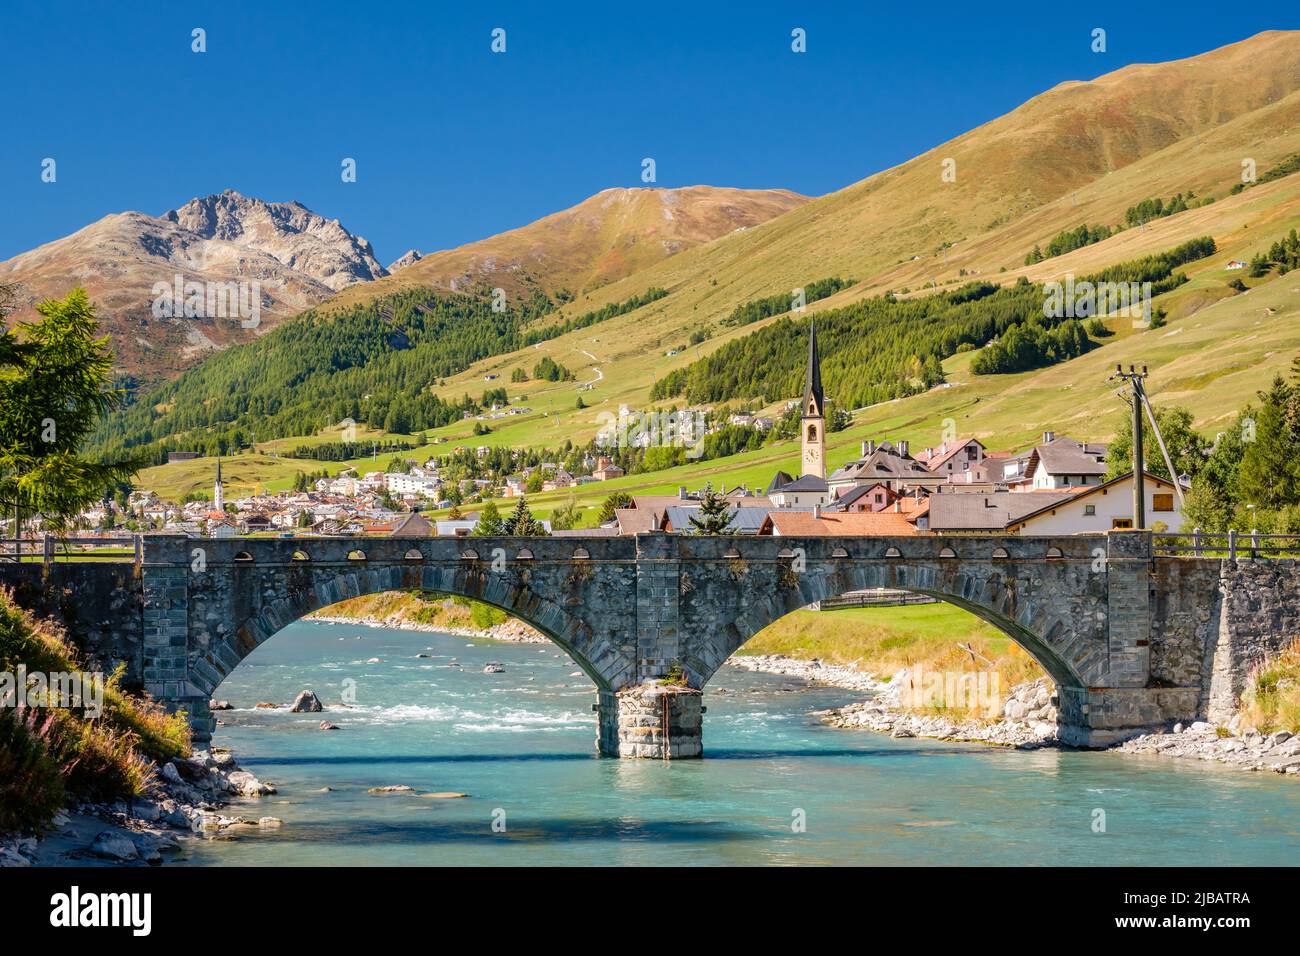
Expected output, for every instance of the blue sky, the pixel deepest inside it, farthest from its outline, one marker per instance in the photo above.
(453, 142)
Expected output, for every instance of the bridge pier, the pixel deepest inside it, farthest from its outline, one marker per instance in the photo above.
(652, 720)
(1097, 717)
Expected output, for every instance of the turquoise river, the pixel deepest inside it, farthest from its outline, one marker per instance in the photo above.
(520, 745)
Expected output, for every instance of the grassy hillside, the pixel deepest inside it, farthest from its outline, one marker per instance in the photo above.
(607, 237)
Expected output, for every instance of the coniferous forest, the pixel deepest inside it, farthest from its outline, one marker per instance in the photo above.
(373, 363)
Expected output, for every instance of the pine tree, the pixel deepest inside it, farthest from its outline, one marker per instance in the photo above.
(715, 514)
(1269, 475)
(54, 390)
(489, 521)
(521, 521)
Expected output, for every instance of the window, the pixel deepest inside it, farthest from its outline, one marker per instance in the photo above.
(812, 432)
(1089, 510)
(1163, 501)
(1122, 523)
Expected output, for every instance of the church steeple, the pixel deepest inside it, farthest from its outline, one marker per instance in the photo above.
(812, 426)
(813, 401)
(218, 492)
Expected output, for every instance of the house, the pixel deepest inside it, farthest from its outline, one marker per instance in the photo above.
(455, 529)
(412, 525)
(1064, 463)
(606, 469)
(1234, 264)
(953, 458)
(1104, 507)
(805, 491)
(986, 513)
(887, 463)
(876, 497)
(637, 520)
(254, 522)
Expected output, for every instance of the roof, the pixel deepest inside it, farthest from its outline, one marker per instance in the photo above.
(1065, 456)
(636, 520)
(991, 512)
(743, 520)
(779, 479)
(884, 464)
(858, 491)
(584, 532)
(655, 502)
(934, 458)
(804, 483)
(788, 522)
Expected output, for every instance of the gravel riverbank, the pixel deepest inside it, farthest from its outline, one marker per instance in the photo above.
(186, 802)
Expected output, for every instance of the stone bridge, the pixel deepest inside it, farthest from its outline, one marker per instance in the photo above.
(1133, 641)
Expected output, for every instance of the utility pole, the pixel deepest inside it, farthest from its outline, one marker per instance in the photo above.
(1134, 379)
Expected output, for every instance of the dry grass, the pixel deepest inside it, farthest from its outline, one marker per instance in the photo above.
(1272, 701)
(882, 640)
(47, 753)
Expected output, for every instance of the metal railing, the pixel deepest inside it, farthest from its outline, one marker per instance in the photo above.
(48, 548)
(873, 597)
(1226, 544)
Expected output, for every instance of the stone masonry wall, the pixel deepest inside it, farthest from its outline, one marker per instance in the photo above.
(1259, 615)
(99, 603)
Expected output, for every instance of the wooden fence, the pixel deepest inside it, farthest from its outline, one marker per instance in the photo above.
(49, 548)
(1226, 544)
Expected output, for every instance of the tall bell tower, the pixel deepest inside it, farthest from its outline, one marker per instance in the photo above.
(813, 423)
(218, 491)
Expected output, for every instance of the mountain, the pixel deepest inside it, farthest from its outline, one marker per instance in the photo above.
(609, 236)
(404, 260)
(296, 257)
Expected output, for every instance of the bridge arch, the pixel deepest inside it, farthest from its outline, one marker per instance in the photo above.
(1054, 606)
(234, 604)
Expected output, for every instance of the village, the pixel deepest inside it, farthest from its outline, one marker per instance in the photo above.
(1057, 486)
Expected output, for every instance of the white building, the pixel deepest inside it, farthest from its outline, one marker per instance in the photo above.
(1104, 507)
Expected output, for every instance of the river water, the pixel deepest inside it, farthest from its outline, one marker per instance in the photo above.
(521, 745)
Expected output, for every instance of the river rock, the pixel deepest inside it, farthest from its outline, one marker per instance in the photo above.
(219, 705)
(145, 810)
(246, 785)
(397, 788)
(326, 725)
(114, 845)
(306, 703)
